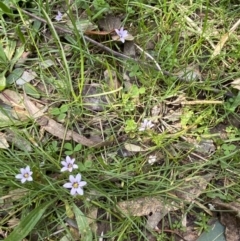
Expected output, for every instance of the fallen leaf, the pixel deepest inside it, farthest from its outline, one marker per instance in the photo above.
(46, 64)
(18, 141)
(94, 97)
(205, 146)
(236, 84)
(133, 148)
(32, 109)
(224, 39)
(18, 193)
(26, 77)
(109, 23)
(190, 73)
(12, 98)
(154, 219)
(52, 126)
(110, 77)
(193, 187)
(145, 205)
(129, 37)
(3, 141)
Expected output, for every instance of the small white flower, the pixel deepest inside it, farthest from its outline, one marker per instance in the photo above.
(59, 16)
(152, 159)
(145, 125)
(122, 34)
(25, 175)
(75, 184)
(68, 164)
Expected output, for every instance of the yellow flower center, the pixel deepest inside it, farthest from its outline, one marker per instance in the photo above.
(26, 175)
(70, 165)
(75, 185)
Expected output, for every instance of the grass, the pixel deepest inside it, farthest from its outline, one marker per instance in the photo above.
(181, 35)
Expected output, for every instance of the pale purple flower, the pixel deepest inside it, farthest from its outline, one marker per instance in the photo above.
(75, 184)
(122, 34)
(25, 175)
(59, 16)
(145, 125)
(68, 164)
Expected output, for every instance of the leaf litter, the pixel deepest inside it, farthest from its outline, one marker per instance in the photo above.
(102, 94)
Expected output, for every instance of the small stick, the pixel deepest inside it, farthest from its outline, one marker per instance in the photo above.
(201, 102)
(105, 48)
(150, 57)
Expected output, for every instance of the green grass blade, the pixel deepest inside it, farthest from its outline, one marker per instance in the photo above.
(28, 223)
(83, 227)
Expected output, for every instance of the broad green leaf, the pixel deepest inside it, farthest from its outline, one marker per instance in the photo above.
(31, 90)
(78, 147)
(27, 224)
(55, 111)
(14, 75)
(2, 81)
(83, 226)
(18, 54)
(64, 108)
(68, 146)
(3, 56)
(10, 49)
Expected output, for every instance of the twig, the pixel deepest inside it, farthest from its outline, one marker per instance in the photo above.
(102, 46)
(150, 57)
(201, 102)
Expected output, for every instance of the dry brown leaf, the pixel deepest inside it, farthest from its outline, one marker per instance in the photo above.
(3, 141)
(110, 23)
(145, 205)
(133, 148)
(232, 227)
(110, 77)
(190, 73)
(220, 45)
(18, 141)
(52, 126)
(224, 39)
(32, 109)
(12, 98)
(193, 187)
(154, 219)
(18, 193)
(94, 97)
(230, 218)
(236, 84)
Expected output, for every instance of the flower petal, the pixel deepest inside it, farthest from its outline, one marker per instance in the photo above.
(19, 176)
(64, 163)
(81, 184)
(78, 177)
(79, 191)
(29, 178)
(27, 169)
(72, 161)
(73, 191)
(75, 166)
(23, 180)
(72, 179)
(64, 169)
(68, 185)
